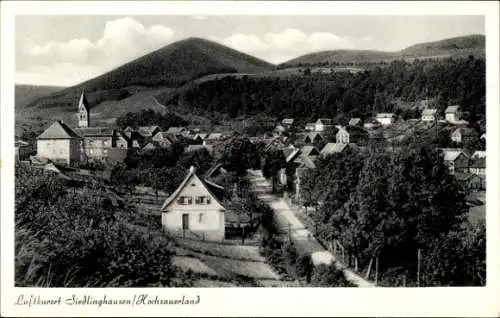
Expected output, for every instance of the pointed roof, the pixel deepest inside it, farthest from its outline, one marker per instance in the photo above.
(84, 102)
(307, 150)
(479, 162)
(452, 109)
(59, 130)
(354, 121)
(429, 112)
(215, 190)
(331, 148)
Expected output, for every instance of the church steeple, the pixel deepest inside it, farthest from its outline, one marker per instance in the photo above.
(83, 112)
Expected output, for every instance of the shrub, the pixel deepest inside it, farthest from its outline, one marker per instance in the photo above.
(329, 276)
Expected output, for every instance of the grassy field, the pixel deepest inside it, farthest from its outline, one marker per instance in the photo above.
(240, 252)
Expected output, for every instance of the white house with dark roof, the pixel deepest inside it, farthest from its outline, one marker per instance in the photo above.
(195, 208)
(59, 143)
(452, 113)
(323, 124)
(164, 139)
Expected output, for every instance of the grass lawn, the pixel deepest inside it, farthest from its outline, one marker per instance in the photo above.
(240, 252)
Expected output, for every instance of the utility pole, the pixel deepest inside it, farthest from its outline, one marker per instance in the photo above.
(376, 269)
(418, 267)
(289, 232)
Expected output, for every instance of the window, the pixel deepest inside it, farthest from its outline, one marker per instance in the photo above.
(192, 184)
(202, 200)
(201, 218)
(185, 200)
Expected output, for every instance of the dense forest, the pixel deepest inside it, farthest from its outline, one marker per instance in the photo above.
(342, 94)
(395, 208)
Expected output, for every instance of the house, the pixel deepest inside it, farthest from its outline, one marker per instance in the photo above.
(290, 153)
(323, 124)
(128, 131)
(456, 160)
(310, 126)
(351, 134)
(313, 137)
(287, 123)
(150, 146)
(96, 142)
(122, 140)
(176, 131)
(354, 121)
(59, 143)
(478, 166)
(464, 135)
(371, 124)
(385, 119)
(163, 139)
(478, 154)
(429, 114)
(148, 131)
(191, 148)
(309, 151)
(215, 171)
(452, 113)
(200, 137)
(21, 149)
(279, 129)
(332, 148)
(212, 138)
(196, 207)
(471, 181)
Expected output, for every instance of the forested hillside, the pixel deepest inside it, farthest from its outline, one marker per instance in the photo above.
(338, 95)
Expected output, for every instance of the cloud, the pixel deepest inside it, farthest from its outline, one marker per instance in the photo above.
(122, 40)
(289, 43)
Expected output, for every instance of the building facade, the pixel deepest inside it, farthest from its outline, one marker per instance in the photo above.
(59, 143)
(195, 208)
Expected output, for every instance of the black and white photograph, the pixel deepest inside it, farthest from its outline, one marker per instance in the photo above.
(232, 151)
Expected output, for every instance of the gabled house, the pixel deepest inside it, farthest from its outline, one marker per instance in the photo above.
(471, 181)
(478, 154)
(122, 140)
(456, 160)
(385, 119)
(309, 151)
(196, 207)
(215, 171)
(59, 143)
(351, 134)
(150, 146)
(464, 135)
(148, 131)
(163, 139)
(290, 153)
(429, 114)
(176, 131)
(313, 137)
(323, 124)
(200, 137)
(354, 122)
(478, 166)
(128, 131)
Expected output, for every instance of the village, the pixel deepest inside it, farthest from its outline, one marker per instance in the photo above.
(200, 209)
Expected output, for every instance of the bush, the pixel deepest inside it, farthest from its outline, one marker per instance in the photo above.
(329, 276)
(304, 267)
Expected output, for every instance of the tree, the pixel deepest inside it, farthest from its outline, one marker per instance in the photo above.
(274, 161)
(238, 154)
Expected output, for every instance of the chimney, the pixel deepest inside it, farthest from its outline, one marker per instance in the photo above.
(192, 169)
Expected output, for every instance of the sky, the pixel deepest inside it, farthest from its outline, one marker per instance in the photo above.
(64, 50)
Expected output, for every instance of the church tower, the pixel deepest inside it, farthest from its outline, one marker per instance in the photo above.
(83, 112)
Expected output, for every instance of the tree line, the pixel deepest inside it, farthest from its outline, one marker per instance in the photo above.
(394, 207)
(338, 95)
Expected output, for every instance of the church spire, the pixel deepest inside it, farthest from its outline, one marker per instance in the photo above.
(83, 111)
